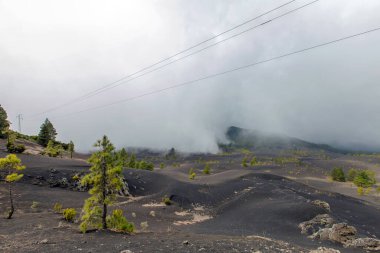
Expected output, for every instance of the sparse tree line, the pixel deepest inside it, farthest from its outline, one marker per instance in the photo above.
(104, 181)
(363, 179)
(126, 160)
(46, 138)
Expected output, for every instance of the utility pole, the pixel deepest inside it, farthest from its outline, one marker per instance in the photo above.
(19, 117)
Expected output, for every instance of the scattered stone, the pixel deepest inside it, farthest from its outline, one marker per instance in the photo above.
(44, 241)
(124, 191)
(126, 251)
(365, 243)
(322, 227)
(341, 233)
(317, 223)
(324, 250)
(185, 242)
(64, 182)
(152, 213)
(322, 204)
(144, 225)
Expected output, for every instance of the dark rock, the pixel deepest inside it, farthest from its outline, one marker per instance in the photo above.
(322, 204)
(341, 233)
(53, 171)
(40, 178)
(324, 250)
(365, 243)
(314, 225)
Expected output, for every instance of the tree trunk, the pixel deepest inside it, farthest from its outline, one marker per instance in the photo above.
(104, 182)
(11, 202)
(104, 218)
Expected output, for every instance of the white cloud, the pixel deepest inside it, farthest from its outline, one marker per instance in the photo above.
(54, 51)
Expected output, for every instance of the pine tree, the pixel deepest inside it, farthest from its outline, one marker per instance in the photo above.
(132, 162)
(172, 154)
(4, 123)
(11, 164)
(207, 169)
(122, 157)
(244, 162)
(47, 133)
(253, 161)
(54, 150)
(106, 180)
(70, 148)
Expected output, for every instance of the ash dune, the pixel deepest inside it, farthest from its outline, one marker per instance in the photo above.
(257, 207)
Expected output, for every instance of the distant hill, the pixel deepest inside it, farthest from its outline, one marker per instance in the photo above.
(254, 140)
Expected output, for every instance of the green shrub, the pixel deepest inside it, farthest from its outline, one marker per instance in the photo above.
(34, 205)
(244, 162)
(337, 174)
(57, 207)
(365, 178)
(53, 150)
(166, 201)
(351, 175)
(207, 169)
(69, 214)
(144, 165)
(150, 166)
(192, 174)
(176, 165)
(360, 191)
(76, 177)
(367, 191)
(118, 222)
(162, 165)
(253, 161)
(15, 148)
(286, 160)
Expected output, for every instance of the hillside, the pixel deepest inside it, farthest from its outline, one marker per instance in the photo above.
(257, 140)
(233, 209)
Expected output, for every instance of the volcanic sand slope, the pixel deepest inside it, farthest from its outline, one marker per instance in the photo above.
(234, 203)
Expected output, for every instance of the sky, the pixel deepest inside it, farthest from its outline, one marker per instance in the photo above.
(53, 52)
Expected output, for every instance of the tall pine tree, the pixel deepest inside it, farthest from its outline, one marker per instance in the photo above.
(4, 123)
(106, 180)
(71, 149)
(47, 133)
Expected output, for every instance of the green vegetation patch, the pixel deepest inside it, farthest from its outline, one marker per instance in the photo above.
(337, 174)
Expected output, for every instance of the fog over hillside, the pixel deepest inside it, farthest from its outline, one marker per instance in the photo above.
(51, 53)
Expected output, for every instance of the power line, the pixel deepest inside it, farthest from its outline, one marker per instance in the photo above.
(19, 118)
(110, 85)
(203, 49)
(225, 72)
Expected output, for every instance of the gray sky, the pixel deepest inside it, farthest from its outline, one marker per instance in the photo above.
(54, 51)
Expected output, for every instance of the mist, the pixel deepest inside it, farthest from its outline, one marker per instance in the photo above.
(54, 51)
